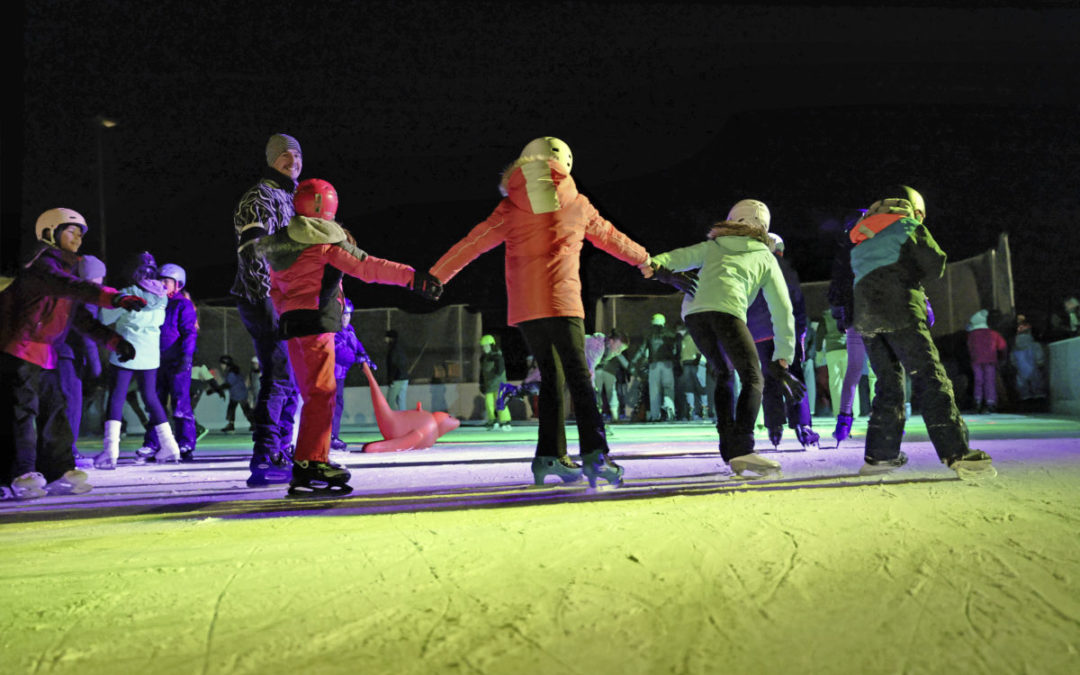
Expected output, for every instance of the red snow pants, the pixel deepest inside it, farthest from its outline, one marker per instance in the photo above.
(312, 359)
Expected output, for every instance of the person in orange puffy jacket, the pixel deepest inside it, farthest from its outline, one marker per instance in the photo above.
(307, 259)
(544, 221)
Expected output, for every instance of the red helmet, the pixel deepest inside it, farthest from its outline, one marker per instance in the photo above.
(315, 198)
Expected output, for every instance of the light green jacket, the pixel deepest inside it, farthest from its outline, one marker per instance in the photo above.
(733, 265)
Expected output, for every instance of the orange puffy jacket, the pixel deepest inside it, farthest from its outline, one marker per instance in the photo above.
(542, 248)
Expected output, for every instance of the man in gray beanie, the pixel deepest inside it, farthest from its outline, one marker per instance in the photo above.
(264, 209)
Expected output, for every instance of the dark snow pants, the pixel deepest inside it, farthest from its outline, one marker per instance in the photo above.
(35, 434)
(911, 349)
(275, 408)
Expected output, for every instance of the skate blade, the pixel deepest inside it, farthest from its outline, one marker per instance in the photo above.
(757, 474)
(329, 492)
(975, 471)
(876, 470)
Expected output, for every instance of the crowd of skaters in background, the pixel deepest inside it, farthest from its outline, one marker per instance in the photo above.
(743, 345)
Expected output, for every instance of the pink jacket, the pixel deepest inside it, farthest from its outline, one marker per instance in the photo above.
(542, 249)
(985, 345)
(45, 298)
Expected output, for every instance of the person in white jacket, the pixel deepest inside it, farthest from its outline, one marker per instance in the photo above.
(734, 263)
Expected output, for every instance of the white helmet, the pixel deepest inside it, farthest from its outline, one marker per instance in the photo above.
(57, 219)
(174, 272)
(912, 195)
(750, 211)
(778, 242)
(549, 146)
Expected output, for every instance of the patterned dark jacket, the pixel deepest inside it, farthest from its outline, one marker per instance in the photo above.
(264, 209)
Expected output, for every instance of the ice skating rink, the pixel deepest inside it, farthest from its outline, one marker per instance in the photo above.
(447, 561)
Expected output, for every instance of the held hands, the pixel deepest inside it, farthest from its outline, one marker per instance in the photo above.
(684, 281)
(132, 303)
(790, 386)
(426, 285)
(125, 351)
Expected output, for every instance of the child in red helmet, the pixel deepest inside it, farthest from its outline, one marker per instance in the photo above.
(307, 260)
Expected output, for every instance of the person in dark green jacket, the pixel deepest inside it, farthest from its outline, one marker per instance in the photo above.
(893, 254)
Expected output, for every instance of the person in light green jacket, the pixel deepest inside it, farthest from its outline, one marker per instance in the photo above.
(734, 263)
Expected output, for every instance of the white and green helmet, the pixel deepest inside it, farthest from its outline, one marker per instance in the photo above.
(552, 148)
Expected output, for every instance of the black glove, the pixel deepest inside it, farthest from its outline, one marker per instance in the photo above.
(790, 386)
(426, 285)
(125, 351)
(132, 303)
(684, 281)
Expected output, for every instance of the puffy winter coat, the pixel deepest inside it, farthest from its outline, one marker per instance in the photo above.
(306, 261)
(735, 263)
(45, 298)
(263, 210)
(347, 351)
(893, 255)
(143, 328)
(542, 247)
(759, 321)
(492, 371)
(985, 345)
(180, 331)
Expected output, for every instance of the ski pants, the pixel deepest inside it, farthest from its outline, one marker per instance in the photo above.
(779, 412)
(312, 358)
(339, 406)
(911, 349)
(985, 383)
(35, 434)
(275, 408)
(72, 389)
(174, 384)
(723, 339)
(558, 345)
(661, 389)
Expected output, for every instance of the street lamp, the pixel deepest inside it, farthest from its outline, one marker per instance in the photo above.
(101, 123)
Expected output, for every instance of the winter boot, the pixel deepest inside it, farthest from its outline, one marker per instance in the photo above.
(29, 486)
(228, 428)
(806, 435)
(756, 463)
(338, 444)
(563, 468)
(597, 464)
(106, 459)
(873, 467)
(973, 464)
(311, 478)
(73, 482)
(170, 451)
(843, 427)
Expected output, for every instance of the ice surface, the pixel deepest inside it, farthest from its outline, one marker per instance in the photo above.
(445, 560)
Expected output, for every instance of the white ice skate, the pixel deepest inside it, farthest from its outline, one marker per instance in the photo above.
(170, 451)
(106, 459)
(30, 485)
(755, 463)
(973, 465)
(882, 466)
(73, 482)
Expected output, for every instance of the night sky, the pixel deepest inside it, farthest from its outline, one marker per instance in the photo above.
(674, 112)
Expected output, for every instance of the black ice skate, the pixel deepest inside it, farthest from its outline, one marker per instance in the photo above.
(775, 434)
(807, 436)
(873, 467)
(843, 427)
(562, 467)
(311, 478)
(597, 464)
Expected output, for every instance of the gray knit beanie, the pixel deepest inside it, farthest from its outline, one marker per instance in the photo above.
(91, 267)
(278, 144)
